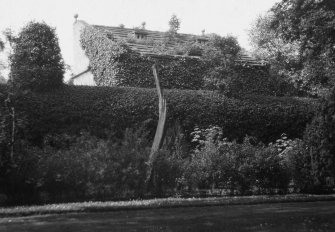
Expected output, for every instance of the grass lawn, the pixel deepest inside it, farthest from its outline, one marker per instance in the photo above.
(157, 203)
(299, 216)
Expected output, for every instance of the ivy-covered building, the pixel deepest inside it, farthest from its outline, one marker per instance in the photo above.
(105, 55)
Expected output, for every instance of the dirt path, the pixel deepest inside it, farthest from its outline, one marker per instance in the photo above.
(312, 216)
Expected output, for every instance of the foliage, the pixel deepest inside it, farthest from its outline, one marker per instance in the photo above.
(36, 62)
(282, 56)
(90, 168)
(224, 73)
(113, 63)
(10, 36)
(174, 26)
(311, 25)
(199, 66)
(240, 168)
(12, 124)
(219, 54)
(101, 110)
(84, 167)
(311, 160)
(299, 166)
(250, 80)
(271, 171)
(169, 165)
(320, 141)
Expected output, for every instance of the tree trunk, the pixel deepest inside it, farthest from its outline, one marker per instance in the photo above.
(156, 145)
(12, 135)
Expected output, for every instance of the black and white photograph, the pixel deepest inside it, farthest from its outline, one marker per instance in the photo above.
(167, 115)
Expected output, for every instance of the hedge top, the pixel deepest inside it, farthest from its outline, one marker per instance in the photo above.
(102, 110)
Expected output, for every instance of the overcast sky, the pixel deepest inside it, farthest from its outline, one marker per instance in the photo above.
(215, 16)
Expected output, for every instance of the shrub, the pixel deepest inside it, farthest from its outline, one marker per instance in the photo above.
(105, 110)
(93, 169)
(168, 172)
(97, 169)
(299, 165)
(36, 62)
(219, 54)
(19, 177)
(90, 168)
(240, 168)
(270, 170)
(320, 141)
(250, 80)
(169, 165)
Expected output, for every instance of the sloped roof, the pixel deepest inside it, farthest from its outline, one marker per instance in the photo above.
(248, 60)
(121, 33)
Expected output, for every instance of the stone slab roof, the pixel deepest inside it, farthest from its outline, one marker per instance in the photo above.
(118, 33)
(121, 33)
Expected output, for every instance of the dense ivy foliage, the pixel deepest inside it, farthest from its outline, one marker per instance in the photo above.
(73, 143)
(102, 110)
(251, 80)
(113, 63)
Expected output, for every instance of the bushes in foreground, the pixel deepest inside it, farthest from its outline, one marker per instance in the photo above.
(239, 168)
(90, 168)
(102, 169)
(54, 161)
(98, 169)
(319, 148)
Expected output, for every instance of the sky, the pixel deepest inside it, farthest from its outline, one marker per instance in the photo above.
(223, 17)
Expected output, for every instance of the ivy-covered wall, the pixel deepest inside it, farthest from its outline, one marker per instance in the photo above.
(251, 80)
(114, 63)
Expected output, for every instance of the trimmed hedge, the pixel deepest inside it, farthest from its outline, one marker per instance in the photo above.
(106, 110)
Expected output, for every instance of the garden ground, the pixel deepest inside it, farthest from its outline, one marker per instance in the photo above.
(298, 216)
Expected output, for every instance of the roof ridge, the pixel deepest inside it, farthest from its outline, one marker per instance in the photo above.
(133, 29)
(121, 33)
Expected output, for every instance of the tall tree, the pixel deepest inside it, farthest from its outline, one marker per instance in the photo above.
(310, 23)
(174, 24)
(220, 54)
(320, 140)
(283, 56)
(36, 62)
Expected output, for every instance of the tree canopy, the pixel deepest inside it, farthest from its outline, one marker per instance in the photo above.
(298, 37)
(36, 62)
(174, 24)
(312, 24)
